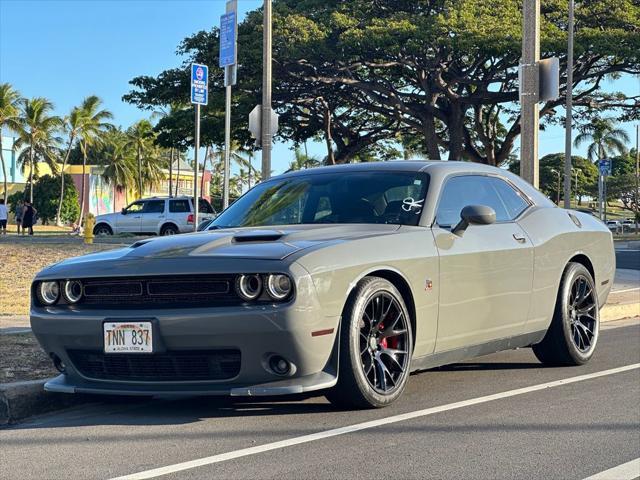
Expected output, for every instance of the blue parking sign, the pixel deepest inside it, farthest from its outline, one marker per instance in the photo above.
(228, 39)
(605, 167)
(199, 83)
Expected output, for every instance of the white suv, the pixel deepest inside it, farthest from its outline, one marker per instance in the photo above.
(157, 216)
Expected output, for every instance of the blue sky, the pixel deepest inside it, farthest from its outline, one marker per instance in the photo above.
(66, 50)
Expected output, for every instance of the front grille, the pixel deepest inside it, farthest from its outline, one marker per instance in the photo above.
(172, 366)
(162, 291)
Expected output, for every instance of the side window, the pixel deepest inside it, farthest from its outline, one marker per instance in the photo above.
(466, 190)
(513, 200)
(154, 206)
(179, 206)
(204, 206)
(135, 207)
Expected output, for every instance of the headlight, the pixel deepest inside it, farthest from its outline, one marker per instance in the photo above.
(72, 291)
(279, 286)
(249, 287)
(48, 292)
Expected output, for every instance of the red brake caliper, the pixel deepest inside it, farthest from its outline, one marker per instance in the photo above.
(383, 342)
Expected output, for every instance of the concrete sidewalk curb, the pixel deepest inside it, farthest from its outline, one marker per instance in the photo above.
(19, 400)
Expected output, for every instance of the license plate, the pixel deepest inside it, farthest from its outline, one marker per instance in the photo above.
(128, 337)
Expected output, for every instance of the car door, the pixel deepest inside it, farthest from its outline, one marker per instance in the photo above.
(486, 273)
(152, 216)
(129, 219)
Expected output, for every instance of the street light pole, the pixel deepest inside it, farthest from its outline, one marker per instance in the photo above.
(569, 105)
(529, 92)
(266, 91)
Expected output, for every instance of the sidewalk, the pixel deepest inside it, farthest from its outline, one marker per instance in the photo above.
(623, 302)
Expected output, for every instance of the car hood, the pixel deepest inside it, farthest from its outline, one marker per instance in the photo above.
(225, 246)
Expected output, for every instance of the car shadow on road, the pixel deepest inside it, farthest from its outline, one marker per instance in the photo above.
(145, 411)
(473, 366)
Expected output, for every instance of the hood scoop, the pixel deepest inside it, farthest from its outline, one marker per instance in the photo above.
(258, 236)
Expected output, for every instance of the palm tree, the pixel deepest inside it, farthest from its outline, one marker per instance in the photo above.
(9, 111)
(141, 137)
(606, 140)
(36, 130)
(302, 160)
(93, 126)
(72, 124)
(120, 172)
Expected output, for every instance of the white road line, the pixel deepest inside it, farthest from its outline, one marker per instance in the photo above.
(625, 291)
(626, 471)
(223, 457)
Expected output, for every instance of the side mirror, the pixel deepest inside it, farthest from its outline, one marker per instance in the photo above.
(474, 215)
(123, 211)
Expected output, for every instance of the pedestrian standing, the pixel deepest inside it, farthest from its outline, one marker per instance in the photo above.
(4, 216)
(18, 213)
(28, 217)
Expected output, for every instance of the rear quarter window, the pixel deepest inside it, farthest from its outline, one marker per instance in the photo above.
(179, 206)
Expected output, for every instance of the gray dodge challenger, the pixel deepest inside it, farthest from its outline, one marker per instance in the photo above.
(339, 279)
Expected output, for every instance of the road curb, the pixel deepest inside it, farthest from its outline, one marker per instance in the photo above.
(19, 400)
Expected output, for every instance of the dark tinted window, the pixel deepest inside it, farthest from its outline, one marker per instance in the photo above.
(355, 197)
(204, 206)
(468, 190)
(179, 206)
(154, 206)
(513, 200)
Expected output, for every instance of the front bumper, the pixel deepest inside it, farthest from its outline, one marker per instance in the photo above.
(257, 332)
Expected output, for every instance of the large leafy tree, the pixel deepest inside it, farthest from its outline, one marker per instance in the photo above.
(37, 132)
(46, 191)
(9, 111)
(359, 73)
(93, 125)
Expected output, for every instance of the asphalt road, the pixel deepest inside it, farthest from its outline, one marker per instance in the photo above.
(574, 423)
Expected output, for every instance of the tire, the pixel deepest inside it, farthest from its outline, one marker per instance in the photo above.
(368, 347)
(169, 229)
(573, 334)
(102, 229)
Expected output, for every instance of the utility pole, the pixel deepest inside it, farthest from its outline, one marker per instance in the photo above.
(266, 91)
(529, 88)
(569, 105)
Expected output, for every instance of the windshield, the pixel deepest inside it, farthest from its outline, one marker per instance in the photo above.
(347, 197)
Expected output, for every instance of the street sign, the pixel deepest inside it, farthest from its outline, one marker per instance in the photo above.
(255, 122)
(605, 167)
(549, 79)
(228, 39)
(199, 84)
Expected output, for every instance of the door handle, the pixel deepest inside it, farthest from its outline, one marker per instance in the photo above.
(519, 238)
